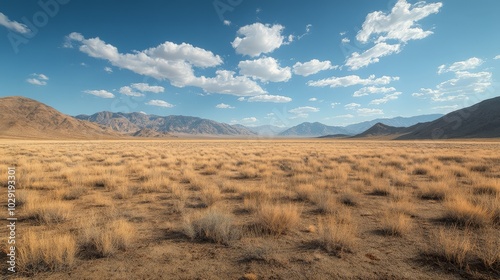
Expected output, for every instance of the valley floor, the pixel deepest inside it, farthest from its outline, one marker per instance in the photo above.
(253, 209)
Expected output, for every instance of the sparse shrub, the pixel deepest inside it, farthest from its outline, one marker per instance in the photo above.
(381, 188)
(211, 225)
(50, 211)
(103, 240)
(74, 193)
(277, 219)
(325, 201)
(347, 197)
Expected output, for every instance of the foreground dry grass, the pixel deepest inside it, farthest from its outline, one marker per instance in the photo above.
(236, 209)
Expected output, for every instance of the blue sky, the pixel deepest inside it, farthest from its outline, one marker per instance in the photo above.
(252, 62)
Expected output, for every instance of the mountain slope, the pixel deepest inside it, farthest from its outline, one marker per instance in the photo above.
(315, 129)
(267, 130)
(24, 118)
(395, 122)
(133, 122)
(380, 129)
(481, 120)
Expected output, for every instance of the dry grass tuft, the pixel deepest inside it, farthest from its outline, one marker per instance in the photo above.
(336, 236)
(433, 191)
(461, 211)
(45, 252)
(277, 219)
(210, 195)
(452, 246)
(396, 223)
(212, 225)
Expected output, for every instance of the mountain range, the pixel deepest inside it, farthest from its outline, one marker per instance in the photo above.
(24, 118)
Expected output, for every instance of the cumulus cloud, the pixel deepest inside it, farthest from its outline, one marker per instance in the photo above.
(265, 69)
(463, 84)
(249, 120)
(226, 83)
(469, 64)
(144, 87)
(372, 55)
(386, 98)
(13, 25)
(345, 41)
(159, 103)
(108, 69)
(172, 62)
(313, 99)
(312, 67)
(401, 24)
(38, 79)
(303, 112)
(497, 57)
(269, 98)
(224, 106)
(372, 90)
(352, 80)
(334, 104)
(100, 93)
(126, 90)
(258, 38)
(227, 22)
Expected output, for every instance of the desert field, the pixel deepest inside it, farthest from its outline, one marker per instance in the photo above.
(253, 209)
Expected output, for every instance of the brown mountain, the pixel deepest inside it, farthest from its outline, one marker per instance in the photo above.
(481, 120)
(25, 118)
(380, 129)
(134, 122)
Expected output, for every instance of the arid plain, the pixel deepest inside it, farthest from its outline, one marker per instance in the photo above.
(255, 209)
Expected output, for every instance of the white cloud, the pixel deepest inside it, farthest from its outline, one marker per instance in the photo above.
(369, 112)
(100, 93)
(313, 99)
(159, 103)
(226, 83)
(258, 38)
(303, 112)
(468, 64)
(312, 67)
(463, 84)
(249, 120)
(352, 80)
(224, 106)
(269, 98)
(129, 92)
(173, 62)
(334, 104)
(372, 90)
(241, 99)
(38, 79)
(372, 55)
(265, 69)
(400, 24)
(144, 87)
(497, 57)
(352, 106)
(386, 98)
(13, 25)
(108, 69)
(227, 22)
(345, 41)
